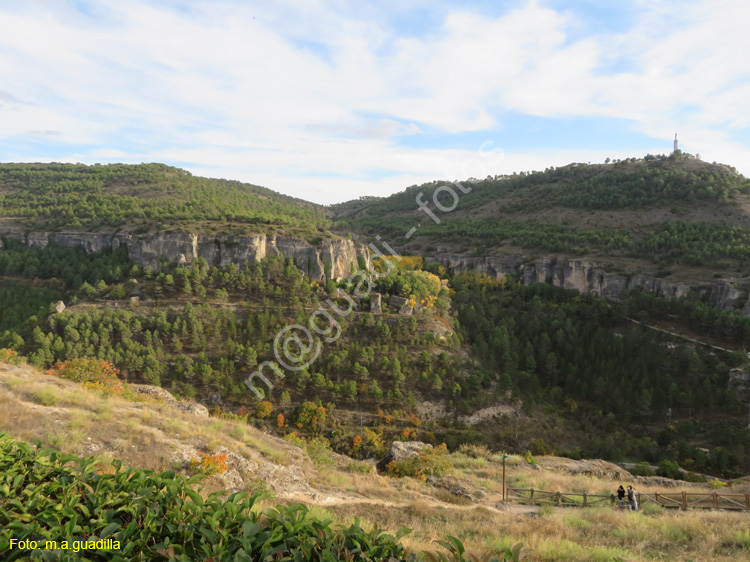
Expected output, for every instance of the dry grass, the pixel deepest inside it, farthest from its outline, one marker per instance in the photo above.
(146, 434)
(143, 433)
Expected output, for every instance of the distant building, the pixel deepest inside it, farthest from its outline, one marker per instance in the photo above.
(675, 142)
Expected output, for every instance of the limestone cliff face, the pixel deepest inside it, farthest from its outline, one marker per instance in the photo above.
(327, 259)
(588, 278)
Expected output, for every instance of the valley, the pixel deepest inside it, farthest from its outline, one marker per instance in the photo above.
(584, 312)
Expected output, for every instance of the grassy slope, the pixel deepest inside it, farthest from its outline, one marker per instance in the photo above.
(151, 435)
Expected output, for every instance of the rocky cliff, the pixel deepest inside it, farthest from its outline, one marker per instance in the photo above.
(219, 250)
(590, 278)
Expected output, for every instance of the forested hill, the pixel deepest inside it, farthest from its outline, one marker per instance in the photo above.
(146, 197)
(659, 210)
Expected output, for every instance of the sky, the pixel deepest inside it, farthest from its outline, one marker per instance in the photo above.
(330, 100)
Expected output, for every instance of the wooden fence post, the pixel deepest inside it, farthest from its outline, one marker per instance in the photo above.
(559, 500)
(612, 500)
(747, 502)
(684, 500)
(531, 496)
(656, 497)
(716, 500)
(585, 499)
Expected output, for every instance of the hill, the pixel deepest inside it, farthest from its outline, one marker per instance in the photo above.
(149, 433)
(475, 348)
(145, 198)
(676, 216)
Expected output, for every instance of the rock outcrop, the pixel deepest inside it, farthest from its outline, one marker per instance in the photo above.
(400, 303)
(461, 487)
(328, 259)
(376, 303)
(739, 380)
(167, 397)
(401, 450)
(590, 278)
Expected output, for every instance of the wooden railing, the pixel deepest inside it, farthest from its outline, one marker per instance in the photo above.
(679, 500)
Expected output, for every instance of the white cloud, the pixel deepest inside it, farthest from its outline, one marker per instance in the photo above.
(281, 95)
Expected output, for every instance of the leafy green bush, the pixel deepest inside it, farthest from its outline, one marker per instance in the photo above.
(93, 373)
(359, 467)
(717, 484)
(693, 477)
(156, 516)
(295, 439)
(539, 447)
(47, 496)
(429, 462)
(641, 469)
(669, 469)
(9, 356)
(319, 451)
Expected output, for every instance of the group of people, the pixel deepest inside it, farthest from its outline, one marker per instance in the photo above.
(631, 496)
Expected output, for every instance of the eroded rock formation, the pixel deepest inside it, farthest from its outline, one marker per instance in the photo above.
(328, 259)
(590, 278)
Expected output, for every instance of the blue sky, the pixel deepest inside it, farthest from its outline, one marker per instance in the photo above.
(330, 100)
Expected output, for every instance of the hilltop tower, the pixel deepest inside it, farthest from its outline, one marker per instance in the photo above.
(675, 142)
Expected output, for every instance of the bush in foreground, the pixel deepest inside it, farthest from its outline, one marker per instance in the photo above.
(47, 496)
(156, 516)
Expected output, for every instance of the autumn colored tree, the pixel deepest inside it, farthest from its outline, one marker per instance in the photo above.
(91, 372)
(263, 409)
(310, 417)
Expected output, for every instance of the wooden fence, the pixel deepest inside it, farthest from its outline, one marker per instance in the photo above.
(678, 500)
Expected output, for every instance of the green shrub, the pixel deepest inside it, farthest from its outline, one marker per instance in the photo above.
(693, 477)
(539, 447)
(529, 458)
(93, 373)
(575, 454)
(10, 356)
(46, 396)
(717, 484)
(641, 469)
(319, 451)
(359, 467)
(295, 439)
(652, 509)
(669, 469)
(157, 516)
(47, 496)
(429, 462)
(742, 540)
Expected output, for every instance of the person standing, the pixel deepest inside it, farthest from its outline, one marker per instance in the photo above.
(621, 497)
(632, 499)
